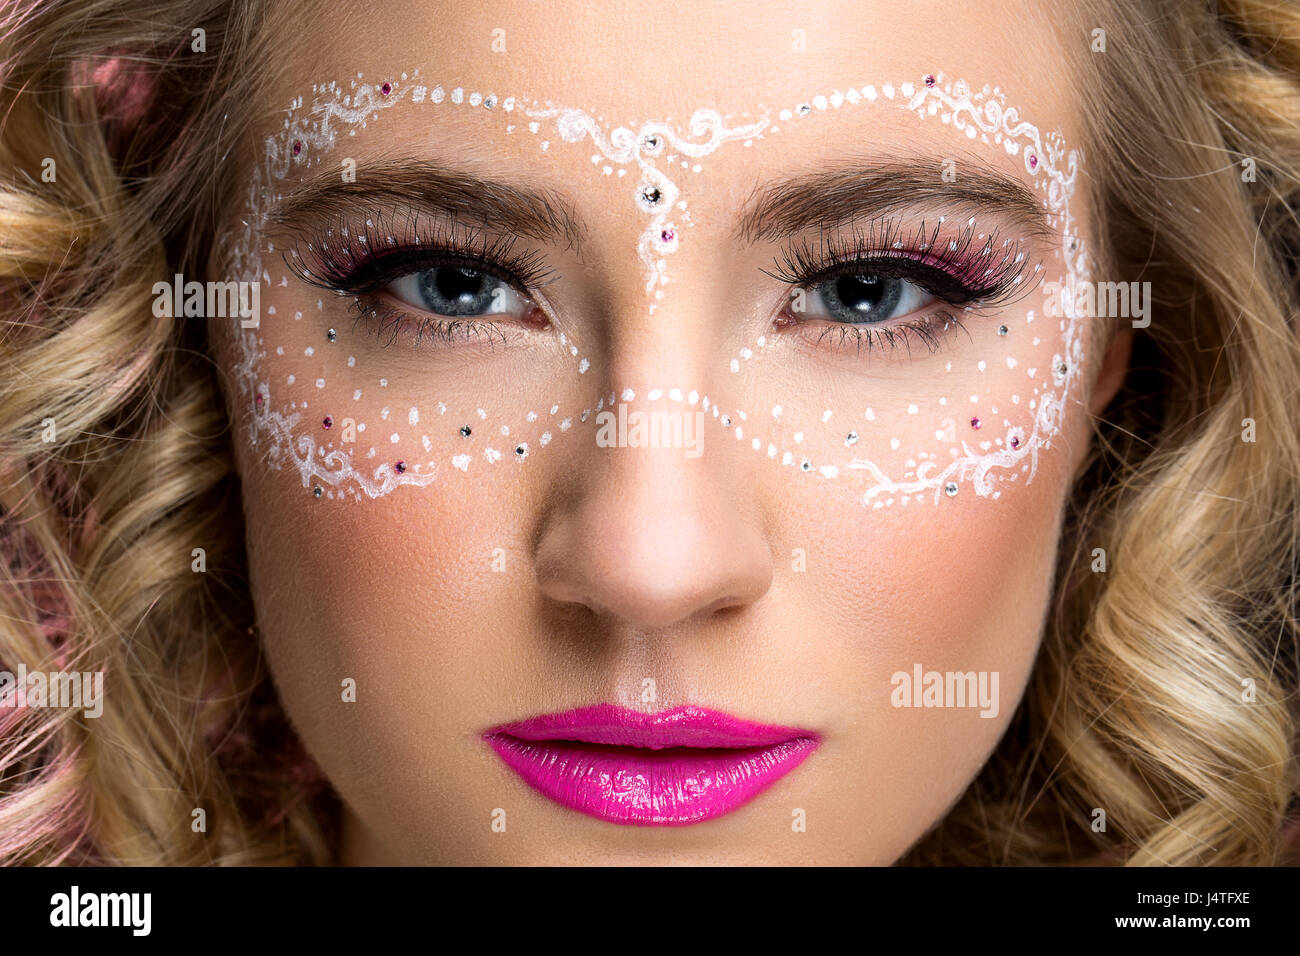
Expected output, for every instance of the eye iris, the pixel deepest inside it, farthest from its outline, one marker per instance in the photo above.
(450, 290)
(862, 298)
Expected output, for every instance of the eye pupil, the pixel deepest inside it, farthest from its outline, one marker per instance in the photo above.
(458, 284)
(863, 298)
(454, 290)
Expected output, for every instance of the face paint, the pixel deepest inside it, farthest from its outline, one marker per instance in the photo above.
(657, 193)
(354, 416)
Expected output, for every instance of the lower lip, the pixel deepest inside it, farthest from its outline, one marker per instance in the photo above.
(639, 786)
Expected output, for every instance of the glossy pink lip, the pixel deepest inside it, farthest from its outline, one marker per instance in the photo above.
(672, 768)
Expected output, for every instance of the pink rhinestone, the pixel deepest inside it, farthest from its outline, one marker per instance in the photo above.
(386, 88)
(297, 147)
(667, 235)
(401, 467)
(974, 423)
(1033, 161)
(929, 80)
(327, 423)
(1015, 442)
(259, 398)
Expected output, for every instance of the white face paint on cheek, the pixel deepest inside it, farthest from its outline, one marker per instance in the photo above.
(353, 416)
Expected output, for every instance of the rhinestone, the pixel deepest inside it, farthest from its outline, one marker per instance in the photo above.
(332, 334)
(950, 489)
(465, 431)
(327, 423)
(651, 195)
(317, 491)
(400, 467)
(852, 439)
(1002, 330)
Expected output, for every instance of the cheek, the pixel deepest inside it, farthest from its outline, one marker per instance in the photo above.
(958, 588)
(417, 599)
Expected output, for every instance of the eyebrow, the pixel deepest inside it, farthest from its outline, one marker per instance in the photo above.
(841, 194)
(424, 185)
(775, 210)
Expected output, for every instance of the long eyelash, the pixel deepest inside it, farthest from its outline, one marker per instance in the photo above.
(966, 268)
(345, 258)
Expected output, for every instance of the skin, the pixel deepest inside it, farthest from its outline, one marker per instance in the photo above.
(626, 564)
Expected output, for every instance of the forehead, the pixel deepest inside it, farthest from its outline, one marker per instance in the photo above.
(627, 63)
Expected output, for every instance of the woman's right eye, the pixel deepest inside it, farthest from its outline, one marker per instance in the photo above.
(458, 292)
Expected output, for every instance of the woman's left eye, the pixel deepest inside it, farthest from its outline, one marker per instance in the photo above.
(457, 292)
(863, 298)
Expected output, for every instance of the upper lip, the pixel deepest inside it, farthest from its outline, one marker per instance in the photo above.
(687, 726)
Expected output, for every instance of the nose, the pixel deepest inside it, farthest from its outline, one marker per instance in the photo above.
(652, 537)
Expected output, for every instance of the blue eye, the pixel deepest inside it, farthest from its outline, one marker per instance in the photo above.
(458, 292)
(863, 298)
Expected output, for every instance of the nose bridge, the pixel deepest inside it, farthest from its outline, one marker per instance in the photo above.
(659, 523)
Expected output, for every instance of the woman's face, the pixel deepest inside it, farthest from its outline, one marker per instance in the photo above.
(695, 360)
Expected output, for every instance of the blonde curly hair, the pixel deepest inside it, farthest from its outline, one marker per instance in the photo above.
(1165, 694)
